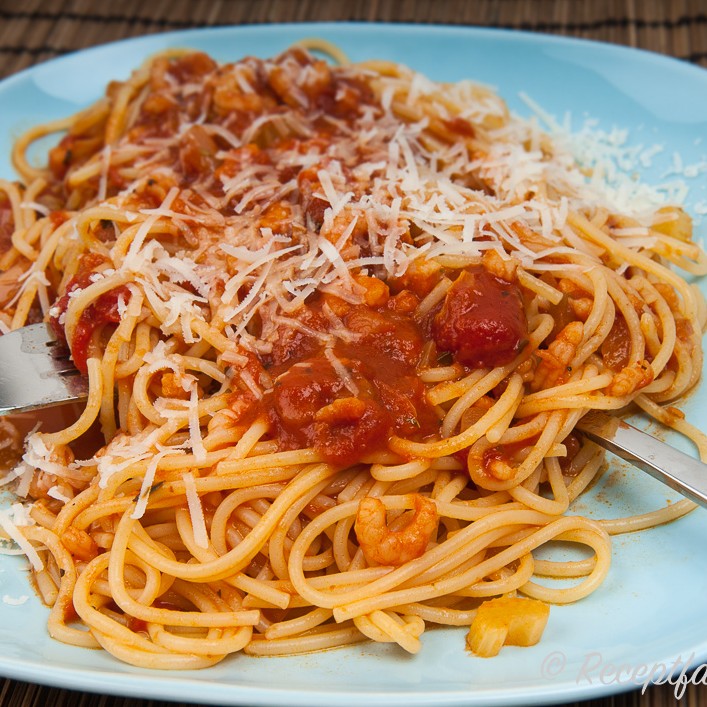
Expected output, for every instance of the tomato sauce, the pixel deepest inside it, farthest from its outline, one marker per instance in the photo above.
(104, 310)
(509, 455)
(346, 417)
(616, 348)
(482, 321)
(7, 224)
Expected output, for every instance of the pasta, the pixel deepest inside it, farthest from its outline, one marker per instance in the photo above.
(339, 325)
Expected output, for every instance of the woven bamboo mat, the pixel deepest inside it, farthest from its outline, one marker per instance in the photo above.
(36, 30)
(32, 31)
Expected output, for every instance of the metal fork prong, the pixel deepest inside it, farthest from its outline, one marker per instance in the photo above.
(66, 368)
(36, 371)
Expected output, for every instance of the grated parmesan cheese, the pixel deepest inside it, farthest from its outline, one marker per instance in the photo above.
(12, 517)
(196, 511)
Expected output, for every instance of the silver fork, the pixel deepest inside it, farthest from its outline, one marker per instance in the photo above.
(36, 371)
(680, 471)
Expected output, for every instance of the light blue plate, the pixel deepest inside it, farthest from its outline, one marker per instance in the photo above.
(652, 609)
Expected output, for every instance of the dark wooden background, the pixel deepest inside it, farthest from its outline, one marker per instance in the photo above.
(32, 31)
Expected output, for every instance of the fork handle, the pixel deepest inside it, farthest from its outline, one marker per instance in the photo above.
(680, 471)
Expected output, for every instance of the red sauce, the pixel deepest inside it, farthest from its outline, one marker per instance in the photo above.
(7, 224)
(312, 405)
(70, 613)
(136, 625)
(59, 217)
(461, 126)
(509, 454)
(346, 417)
(192, 67)
(104, 310)
(330, 94)
(72, 150)
(494, 454)
(309, 187)
(616, 348)
(573, 443)
(197, 152)
(684, 329)
(482, 321)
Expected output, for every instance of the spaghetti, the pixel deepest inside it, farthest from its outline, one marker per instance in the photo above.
(339, 324)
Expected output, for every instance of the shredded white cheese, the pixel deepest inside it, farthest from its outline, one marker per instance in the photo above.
(196, 510)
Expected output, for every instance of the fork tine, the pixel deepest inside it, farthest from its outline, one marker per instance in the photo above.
(36, 372)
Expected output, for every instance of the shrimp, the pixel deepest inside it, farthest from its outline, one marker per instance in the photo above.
(228, 94)
(44, 481)
(578, 299)
(348, 219)
(503, 268)
(172, 385)
(79, 543)
(553, 367)
(499, 468)
(582, 307)
(394, 547)
(630, 379)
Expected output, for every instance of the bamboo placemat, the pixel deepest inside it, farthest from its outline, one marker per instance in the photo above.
(33, 31)
(37, 30)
